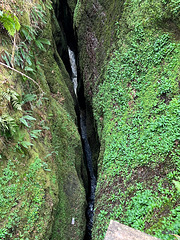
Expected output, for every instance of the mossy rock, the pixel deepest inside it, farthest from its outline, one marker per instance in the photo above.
(41, 158)
(128, 56)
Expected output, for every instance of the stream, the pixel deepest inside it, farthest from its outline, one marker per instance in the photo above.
(87, 152)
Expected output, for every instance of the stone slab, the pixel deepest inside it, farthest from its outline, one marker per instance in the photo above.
(118, 231)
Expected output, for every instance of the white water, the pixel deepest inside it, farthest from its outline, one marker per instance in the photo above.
(73, 68)
(87, 152)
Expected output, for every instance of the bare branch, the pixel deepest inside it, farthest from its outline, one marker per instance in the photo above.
(13, 69)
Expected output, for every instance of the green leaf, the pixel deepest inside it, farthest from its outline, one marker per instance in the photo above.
(26, 144)
(177, 185)
(48, 155)
(24, 122)
(17, 24)
(28, 60)
(35, 133)
(26, 117)
(28, 32)
(10, 22)
(7, 59)
(48, 170)
(44, 41)
(29, 118)
(29, 98)
(39, 45)
(6, 96)
(17, 105)
(29, 69)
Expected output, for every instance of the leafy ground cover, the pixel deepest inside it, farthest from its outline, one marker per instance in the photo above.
(137, 112)
(22, 195)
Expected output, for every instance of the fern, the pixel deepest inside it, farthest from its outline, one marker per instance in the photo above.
(26, 144)
(7, 125)
(10, 22)
(29, 98)
(37, 15)
(13, 97)
(28, 32)
(35, 134)
(7, 58)
(24, 119)
(49, 4)
(39, 43)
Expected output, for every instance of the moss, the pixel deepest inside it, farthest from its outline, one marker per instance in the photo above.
(30, 194)
(72, 5)
(58, 35)
(77, 14)
(42, 182)
(129, 65)
(72, 198)
(25, 18)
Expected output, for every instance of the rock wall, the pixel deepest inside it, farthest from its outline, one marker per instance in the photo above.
(40, 158)
(128, 60)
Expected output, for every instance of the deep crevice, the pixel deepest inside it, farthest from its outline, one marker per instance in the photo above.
(83, 111)
(64, 18)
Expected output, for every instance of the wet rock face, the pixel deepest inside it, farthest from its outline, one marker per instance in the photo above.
(96, 34)
(118, 231)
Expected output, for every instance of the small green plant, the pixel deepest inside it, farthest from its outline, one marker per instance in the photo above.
(35, 134)
(13, 97)
(43, 125)
(7, 125)
(25, 144)
(48, 4)
(24, 120)
(29, 98)
(10, 22)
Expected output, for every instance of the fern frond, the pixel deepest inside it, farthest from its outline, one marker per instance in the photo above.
(7, 125)
(13, 97)
(6, 96)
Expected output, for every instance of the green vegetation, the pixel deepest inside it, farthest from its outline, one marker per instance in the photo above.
(22, 195)
(24, 53)
(177, 184)
(137, 113)
(77, 13)
(9, 21)
(37, 163)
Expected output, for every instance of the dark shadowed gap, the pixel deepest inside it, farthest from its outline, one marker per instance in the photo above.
(69, 39)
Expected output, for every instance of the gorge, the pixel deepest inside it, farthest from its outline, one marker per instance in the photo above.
(122, 113)
(91, 180)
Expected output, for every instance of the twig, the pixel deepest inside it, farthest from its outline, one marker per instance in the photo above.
(13, 50)
(13, 69)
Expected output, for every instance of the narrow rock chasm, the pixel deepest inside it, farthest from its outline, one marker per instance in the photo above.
(67, 49)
